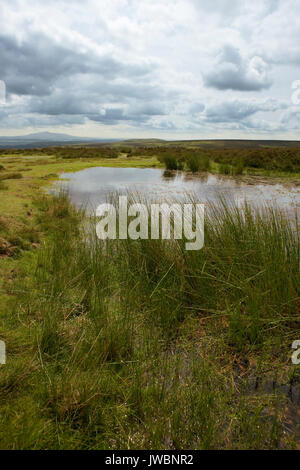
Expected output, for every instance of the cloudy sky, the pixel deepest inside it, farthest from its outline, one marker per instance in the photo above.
(151, 68)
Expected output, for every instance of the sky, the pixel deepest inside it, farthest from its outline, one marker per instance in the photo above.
(173, 69)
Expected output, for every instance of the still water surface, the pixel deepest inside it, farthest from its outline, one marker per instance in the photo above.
(92, 186)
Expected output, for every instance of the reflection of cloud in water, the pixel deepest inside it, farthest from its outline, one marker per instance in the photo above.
(92, 186)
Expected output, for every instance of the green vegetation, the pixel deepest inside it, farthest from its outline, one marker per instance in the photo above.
(70, 152)
(10, 176)
(171, 162)
(265, 160)
(197, 163)
(212, 144)
(229, 162)
(142, 344)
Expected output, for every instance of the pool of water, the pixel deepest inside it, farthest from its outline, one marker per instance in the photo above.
(92, 186)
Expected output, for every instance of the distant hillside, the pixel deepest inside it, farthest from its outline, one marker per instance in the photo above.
(144, 141)
(50, 139)
(47, 139)
(212, 144)
(43, 136)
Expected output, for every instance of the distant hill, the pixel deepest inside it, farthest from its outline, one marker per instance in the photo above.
(237, 143)
(212, 144)
(46, 139)
(48, 136)
(144, 141)
(51, 139)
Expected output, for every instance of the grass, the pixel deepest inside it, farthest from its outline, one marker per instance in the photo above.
(195, 164)
(143, 345)
(276, 162)
(10, 176)
(3, 186)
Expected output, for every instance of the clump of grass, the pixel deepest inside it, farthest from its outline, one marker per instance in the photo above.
(239, 167)
(170, 162)
(3, 224)
(197, 163)
(224, 169)
(11, 176)
(6, 248)
(3, 187)
(205, 163)
(234, 170)
(193, 163)
(24, 237)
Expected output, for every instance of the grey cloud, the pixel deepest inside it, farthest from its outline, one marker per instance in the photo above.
(291, 118)
(21, 120)
(55, 80)
(33, 66)
(225, 8)
(95, 106)
(132, 113)
(196, 108)
(239, 110)
(232, 72)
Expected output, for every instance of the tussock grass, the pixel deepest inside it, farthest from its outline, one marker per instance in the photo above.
(10, 176)
(3, 186)
(142, 344)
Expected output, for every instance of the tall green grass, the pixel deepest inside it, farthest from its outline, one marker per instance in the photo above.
(171, 162)
(196, 163)
(142, 344)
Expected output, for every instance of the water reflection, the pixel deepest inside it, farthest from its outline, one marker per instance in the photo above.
(168, 175)
(91, 187)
